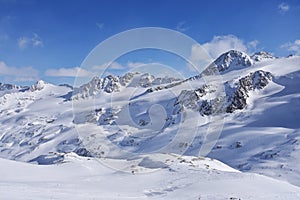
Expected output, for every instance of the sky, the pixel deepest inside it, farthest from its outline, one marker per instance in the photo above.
(49, 39)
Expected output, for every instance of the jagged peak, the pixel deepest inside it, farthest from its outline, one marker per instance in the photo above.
(39, 85)
(261, 55)
(232, 58)
(5, 86)
(227, 61)
(112, 83)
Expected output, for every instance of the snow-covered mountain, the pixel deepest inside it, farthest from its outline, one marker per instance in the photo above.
(139, 115)
(233, 59)
(260, 56)
(112, 83)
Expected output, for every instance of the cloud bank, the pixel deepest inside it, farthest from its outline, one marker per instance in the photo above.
(293, 47)
(18, 74)
(221, 44)
(68, 72)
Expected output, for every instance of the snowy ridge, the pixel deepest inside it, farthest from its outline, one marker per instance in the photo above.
(39, 85)
(233, 59)
(237, 92)
(260, 105)
(240, 92)
(8, 87)
(260, 56)
(112, 83)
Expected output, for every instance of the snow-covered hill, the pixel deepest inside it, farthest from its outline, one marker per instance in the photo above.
(168, 177)
(138, 115)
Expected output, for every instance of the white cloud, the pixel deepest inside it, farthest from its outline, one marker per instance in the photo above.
(283, 7)
(18, 73)
(113, 65)
(202, 55)
(181, 26)
(199, 58)
(198, 53)
(23, 42)
(69, 72)
(128, 66)
(253, 44)
(34, 41)
(221, 44)
(293, 47)
(100, 25)
(118, 66)
(135, 64)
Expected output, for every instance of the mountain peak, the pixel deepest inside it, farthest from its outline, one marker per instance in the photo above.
(112, 83)
(39, 85)
(233, 59)
(228, 61)
(4, 86)
(262, 55)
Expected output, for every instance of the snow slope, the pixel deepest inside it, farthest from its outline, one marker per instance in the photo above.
(136, 122)
(185, 178)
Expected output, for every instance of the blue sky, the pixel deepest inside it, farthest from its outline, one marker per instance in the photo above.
(49, 39)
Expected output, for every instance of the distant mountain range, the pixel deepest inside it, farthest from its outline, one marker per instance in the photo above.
(257, 96)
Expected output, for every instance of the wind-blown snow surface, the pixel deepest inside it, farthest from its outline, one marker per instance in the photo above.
(133, 123)
(170, 177)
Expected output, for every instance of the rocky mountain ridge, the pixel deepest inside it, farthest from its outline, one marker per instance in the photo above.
(142, 113)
